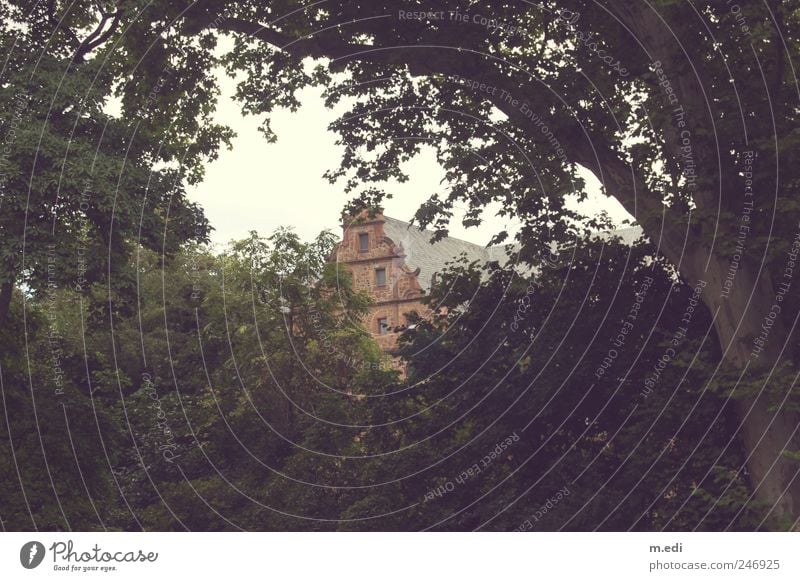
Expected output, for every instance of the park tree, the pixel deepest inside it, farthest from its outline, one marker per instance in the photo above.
(685, 114)
(260, 371)
(237, 383)
(80, 186)
(503, 367)
(80, 192)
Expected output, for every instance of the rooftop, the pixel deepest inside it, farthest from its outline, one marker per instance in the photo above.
(431, 258)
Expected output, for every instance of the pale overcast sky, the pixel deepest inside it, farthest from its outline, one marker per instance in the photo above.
(261, 186)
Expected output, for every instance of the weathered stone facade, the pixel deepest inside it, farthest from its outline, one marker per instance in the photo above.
(378, 265)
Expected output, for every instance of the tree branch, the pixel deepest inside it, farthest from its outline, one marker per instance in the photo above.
(618, 177)
(97, 36)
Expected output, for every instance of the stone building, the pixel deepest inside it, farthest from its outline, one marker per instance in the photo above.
(396, 264)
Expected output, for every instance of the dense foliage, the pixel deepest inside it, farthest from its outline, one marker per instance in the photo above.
(242, 395)
(148, 382)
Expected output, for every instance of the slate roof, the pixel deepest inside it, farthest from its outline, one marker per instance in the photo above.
(432, 258)
(628, 235)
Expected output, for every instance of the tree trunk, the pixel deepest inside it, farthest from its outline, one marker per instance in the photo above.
(751, 332)
(6, 292)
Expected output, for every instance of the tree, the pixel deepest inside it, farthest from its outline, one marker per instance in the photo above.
(241, 395)
(224, 401)
(80, 188)
(507, 359)
(663, 102)
(251, 361)
(686, 114)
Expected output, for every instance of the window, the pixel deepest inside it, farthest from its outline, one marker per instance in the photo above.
(383, 326)
(363, 242)
(380, 276)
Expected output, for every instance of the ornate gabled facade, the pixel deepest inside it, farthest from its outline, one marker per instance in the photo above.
(396, 264)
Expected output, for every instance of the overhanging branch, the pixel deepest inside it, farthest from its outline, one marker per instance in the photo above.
(659, 221)
(98, 36)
